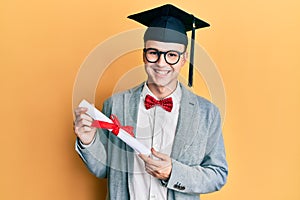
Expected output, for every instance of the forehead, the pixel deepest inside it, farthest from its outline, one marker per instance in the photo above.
(164, 46)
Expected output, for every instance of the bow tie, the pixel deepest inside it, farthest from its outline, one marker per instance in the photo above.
(166, 104)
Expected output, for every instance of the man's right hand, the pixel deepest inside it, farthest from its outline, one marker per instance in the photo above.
(82, 126)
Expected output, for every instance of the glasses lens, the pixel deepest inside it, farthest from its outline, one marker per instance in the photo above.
(172, 57)
(152, 55)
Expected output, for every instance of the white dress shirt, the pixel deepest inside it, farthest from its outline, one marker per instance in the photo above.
(155, 128)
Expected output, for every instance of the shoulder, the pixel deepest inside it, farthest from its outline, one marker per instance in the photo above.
(119, 97)
(202, 104)
(206, 104)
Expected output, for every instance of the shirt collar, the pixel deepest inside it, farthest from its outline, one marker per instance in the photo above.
(176, 95)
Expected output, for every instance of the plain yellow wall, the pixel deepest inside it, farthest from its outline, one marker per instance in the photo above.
(255, 45)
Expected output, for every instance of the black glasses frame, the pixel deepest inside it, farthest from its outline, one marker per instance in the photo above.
(164, 53)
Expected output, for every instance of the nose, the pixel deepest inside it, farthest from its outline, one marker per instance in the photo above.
(161, 60)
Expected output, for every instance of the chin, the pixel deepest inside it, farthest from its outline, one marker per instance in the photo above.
(162, 84)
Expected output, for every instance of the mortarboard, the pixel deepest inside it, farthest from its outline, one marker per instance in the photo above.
(168, 23)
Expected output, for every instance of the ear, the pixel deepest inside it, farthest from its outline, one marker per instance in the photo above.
(184, 57)
(144, 59)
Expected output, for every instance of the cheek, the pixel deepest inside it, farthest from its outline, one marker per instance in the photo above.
(177, 68)
(147, 68)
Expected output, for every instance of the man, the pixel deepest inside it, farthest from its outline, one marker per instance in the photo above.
(182, 129)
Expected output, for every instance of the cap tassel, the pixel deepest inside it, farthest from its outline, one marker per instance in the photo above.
(191, 66)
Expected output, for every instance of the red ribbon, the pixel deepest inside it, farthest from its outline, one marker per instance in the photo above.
(115, 126)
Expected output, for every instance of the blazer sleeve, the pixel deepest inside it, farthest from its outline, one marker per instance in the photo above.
(95, 155)
(211, 174)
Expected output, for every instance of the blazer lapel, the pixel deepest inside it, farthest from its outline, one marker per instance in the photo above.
(131, 105)
(186, 126)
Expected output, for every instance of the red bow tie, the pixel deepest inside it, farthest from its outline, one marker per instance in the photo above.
(166, 104)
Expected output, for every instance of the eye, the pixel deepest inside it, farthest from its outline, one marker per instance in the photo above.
(172, 54)
(152, 52)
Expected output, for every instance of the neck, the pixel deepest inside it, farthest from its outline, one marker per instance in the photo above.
(161, 92)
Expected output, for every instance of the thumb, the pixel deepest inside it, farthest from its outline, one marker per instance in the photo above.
(158, 154)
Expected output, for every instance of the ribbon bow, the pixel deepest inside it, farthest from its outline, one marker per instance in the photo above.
(166, 104)
(115, 126)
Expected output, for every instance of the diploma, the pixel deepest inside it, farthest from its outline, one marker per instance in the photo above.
(121, 133)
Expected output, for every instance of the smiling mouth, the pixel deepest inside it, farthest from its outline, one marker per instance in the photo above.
(162, 72)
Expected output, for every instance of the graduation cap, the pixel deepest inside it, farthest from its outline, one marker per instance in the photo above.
(168, 23)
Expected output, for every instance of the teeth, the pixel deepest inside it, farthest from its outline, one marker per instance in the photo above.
(161, 72)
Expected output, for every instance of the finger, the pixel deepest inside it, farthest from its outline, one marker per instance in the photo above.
(78, 130)
(154, 173)
(80, 110)
(149, 169)
(81, 117)
(144, 157)
(147, 159)
(86, 117)
(82, 122)
(159, 155)
(84, 129)
(158, 168)
(151, 162)
(83, 126)
(85, 122)
(150, 172)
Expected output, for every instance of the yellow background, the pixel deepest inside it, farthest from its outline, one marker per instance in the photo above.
(255, 45)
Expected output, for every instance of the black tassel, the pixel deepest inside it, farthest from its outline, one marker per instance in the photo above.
(191, 66)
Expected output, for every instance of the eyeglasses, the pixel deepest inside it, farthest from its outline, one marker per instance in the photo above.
(171, 57)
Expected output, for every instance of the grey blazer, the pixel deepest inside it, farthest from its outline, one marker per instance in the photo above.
(198, 155)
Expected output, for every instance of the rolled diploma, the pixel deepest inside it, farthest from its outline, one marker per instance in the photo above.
(123, 135)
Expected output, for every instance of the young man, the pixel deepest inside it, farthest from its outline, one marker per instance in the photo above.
(182, 129)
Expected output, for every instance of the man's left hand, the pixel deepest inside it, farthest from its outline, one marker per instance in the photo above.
(161, 168)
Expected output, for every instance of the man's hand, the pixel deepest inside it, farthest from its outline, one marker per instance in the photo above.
(82, 126)
(161, 168)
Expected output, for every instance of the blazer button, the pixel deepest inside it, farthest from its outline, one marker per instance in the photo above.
(176, 186)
